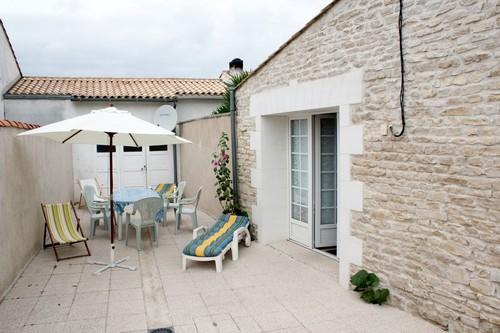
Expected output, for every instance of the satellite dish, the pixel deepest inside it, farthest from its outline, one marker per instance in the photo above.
(166, 117)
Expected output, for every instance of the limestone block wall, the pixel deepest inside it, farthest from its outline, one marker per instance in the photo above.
(32, 171)
(430, 224)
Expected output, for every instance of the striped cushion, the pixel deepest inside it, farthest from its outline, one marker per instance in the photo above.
(164, 189)
(60, 220)
(212, 242)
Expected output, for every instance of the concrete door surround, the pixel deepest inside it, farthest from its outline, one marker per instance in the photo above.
(271, 109)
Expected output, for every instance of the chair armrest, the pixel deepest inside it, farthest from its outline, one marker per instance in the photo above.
(197, 230)
(187, 201)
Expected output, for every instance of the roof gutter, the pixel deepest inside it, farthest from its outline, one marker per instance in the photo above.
(8, 96)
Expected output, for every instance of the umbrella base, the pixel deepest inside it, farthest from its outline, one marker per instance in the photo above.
(110, 265)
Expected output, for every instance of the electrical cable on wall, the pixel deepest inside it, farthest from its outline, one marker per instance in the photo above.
(402, 91)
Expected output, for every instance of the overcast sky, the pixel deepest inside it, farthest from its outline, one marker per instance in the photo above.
(149, 38)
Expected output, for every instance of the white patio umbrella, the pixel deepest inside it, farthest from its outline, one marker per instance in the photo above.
(108, 126)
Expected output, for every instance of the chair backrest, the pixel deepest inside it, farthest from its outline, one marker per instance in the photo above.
(148, 208)
(89, 196)
(89, 182)
(180, 190)
(164, 189)
(60, 219)
(198, 196)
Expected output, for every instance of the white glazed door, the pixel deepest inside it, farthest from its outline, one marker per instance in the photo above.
(300, 178)
(160, 165)
(325, 234)
(133, 167)
(102, 168)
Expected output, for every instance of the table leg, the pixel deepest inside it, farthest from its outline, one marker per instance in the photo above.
(119, 221)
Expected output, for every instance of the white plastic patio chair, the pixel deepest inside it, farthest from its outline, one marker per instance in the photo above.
(98, 209)
(148, 209)
(97, 188)
(188, 207)
(177, 196)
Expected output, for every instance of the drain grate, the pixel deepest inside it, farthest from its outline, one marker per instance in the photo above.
(162, 330)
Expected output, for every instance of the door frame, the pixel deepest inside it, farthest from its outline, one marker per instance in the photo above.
(311, 179)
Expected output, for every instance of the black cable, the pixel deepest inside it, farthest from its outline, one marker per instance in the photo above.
(402, 91)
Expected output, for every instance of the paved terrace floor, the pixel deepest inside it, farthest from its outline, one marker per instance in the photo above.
(278, 288)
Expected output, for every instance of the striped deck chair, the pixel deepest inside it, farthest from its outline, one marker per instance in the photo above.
(60, 224)
(164, 189)
(213, 244)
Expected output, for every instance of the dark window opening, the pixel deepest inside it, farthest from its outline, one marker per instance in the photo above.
(158, 148)
(105, 149)
(130, 149)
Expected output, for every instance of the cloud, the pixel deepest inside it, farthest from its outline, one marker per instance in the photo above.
(149, 38)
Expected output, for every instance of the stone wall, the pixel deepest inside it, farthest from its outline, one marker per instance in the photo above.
(32, 171)
(430, 223)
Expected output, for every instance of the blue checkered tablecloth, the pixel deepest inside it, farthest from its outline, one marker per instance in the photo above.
(127, 196)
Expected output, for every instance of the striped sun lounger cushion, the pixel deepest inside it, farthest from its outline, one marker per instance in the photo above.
(60, 220)
(215, 239)
(164, 189)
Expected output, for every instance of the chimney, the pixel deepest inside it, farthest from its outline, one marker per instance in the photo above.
(236, 65)
(235, 68)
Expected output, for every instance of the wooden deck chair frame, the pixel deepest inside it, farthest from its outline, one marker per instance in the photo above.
(54, 245)
(238, 235)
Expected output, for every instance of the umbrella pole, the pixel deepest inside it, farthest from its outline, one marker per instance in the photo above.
(112, 262)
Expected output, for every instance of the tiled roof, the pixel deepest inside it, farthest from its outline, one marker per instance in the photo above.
(114, 88)
(17, 124)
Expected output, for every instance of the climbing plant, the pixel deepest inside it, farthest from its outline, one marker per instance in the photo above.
(224, 185)
(235, 81)
(366, 284)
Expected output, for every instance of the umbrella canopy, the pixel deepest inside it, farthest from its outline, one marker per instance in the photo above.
(93, 128)
(108, 126)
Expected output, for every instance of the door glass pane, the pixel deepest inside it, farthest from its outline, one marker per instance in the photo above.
(327, 127)
(328, 162)
(296, 144)
(328, 180)
(303, 144)
(327, 198)
(300, 165)
(296, 178)
(303, 214)
(304, 179)
(158, 148)
(327, 144)
(295, 195)
(328, 216)
(296, 212)
(304, 165)
(303, 127)
(130, 149)
(295, 127)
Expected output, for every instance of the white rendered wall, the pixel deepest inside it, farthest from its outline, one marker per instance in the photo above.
(270, 143)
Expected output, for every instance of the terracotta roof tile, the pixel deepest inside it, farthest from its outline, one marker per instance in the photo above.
(17, 124)
(115, 88)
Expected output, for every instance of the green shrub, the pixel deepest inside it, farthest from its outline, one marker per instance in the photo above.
(366, 284)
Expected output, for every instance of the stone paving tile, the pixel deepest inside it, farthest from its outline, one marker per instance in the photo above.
(277, 288)
(126, 322)
(15, 312)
